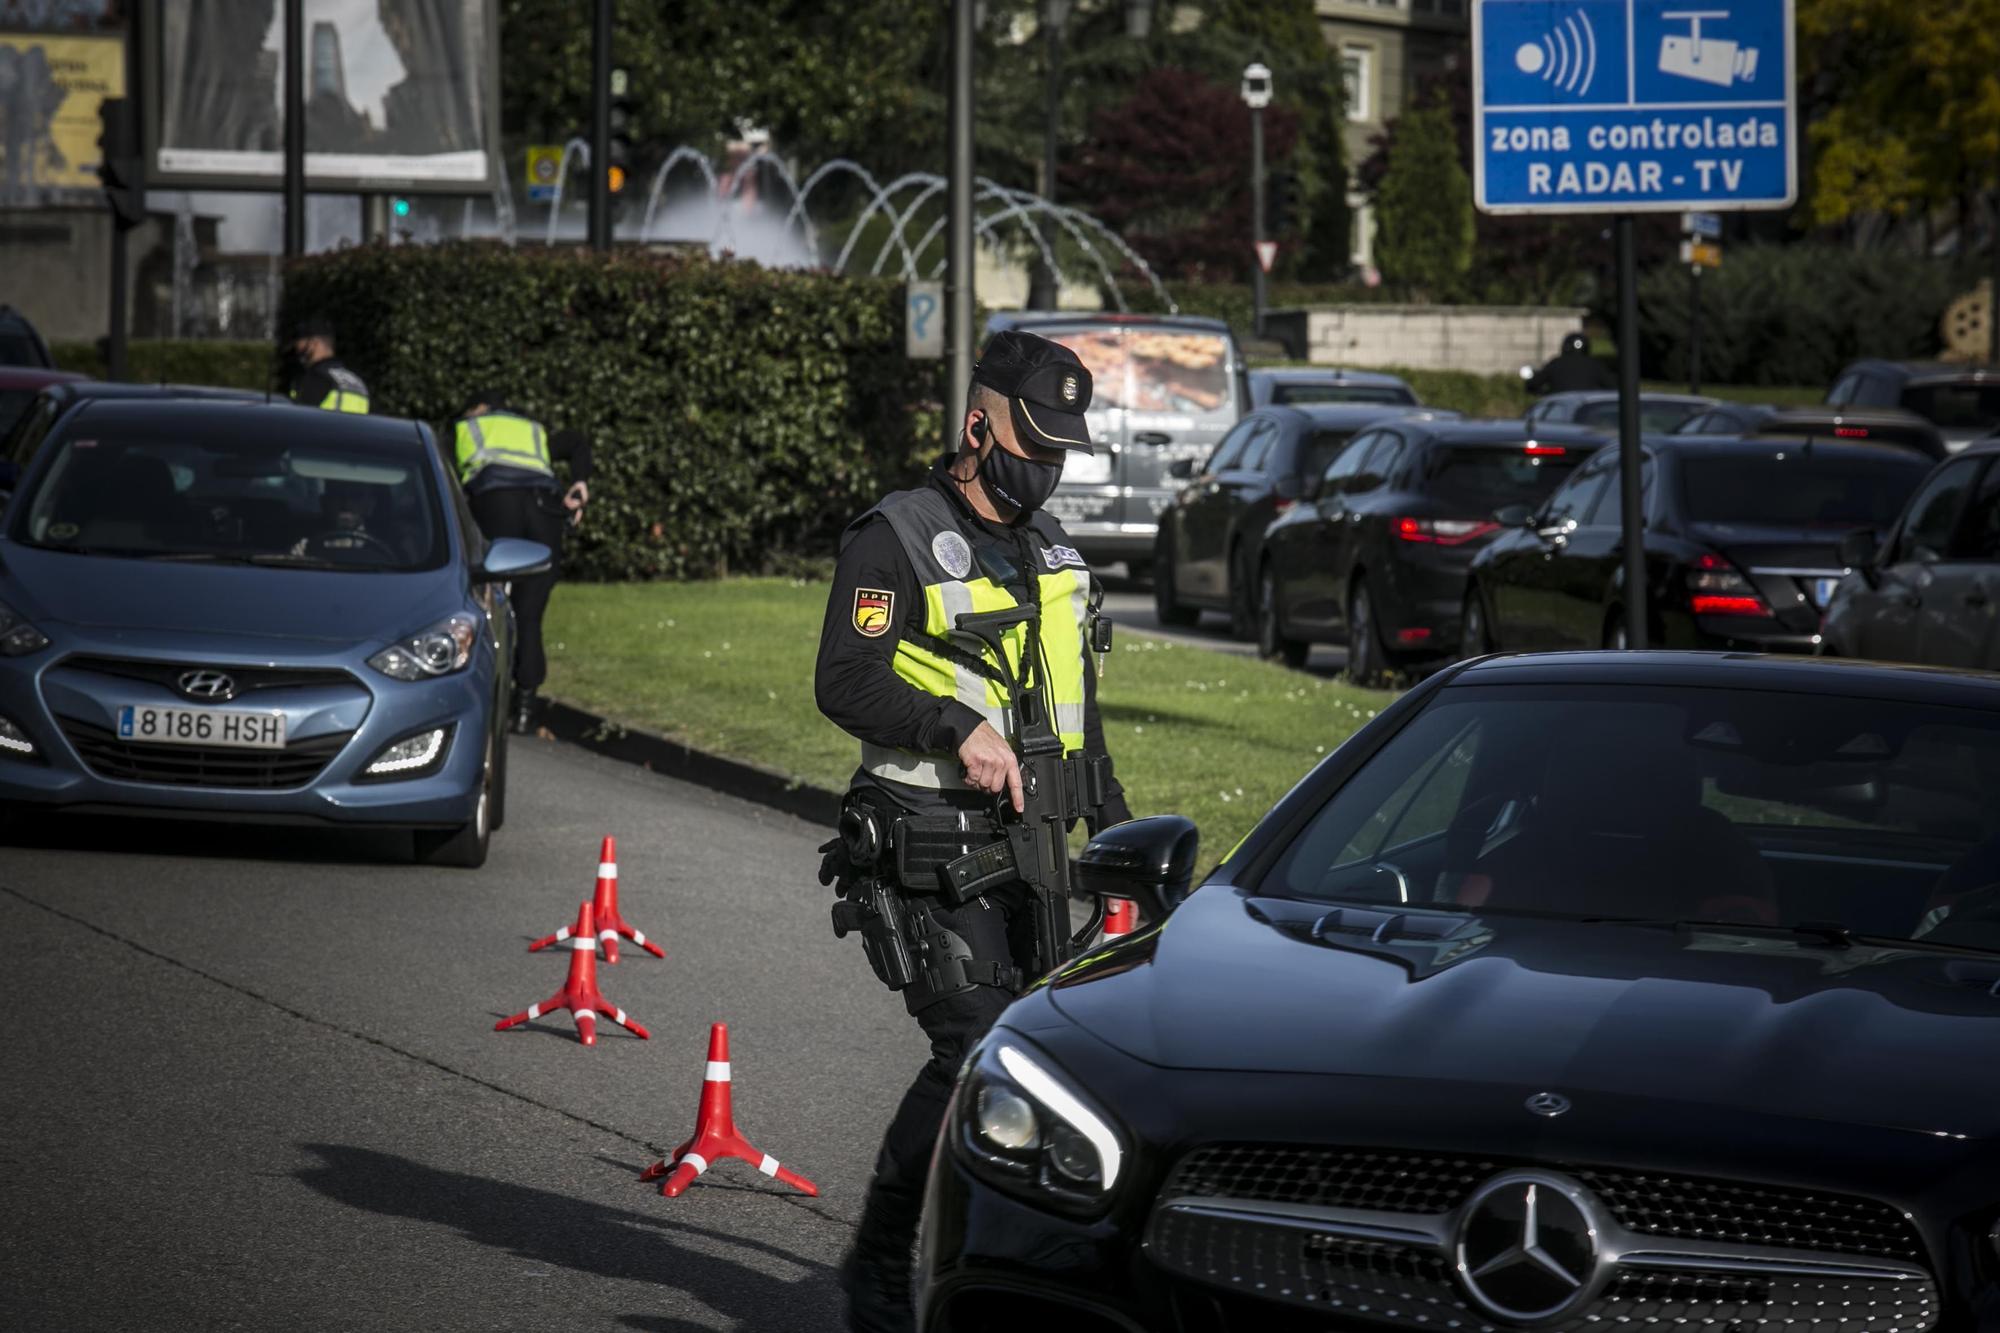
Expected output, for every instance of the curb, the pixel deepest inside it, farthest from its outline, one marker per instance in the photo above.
(674, 759)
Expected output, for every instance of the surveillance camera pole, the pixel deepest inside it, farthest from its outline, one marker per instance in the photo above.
(1257, 96)
(600, 127)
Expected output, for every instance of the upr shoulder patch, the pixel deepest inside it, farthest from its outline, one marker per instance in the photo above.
(874, 612)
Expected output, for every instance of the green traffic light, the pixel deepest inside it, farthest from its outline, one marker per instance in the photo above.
(401, 207)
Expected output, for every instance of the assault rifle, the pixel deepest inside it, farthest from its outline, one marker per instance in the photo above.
(1056, 790)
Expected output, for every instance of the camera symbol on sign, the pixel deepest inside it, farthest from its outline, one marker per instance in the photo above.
(1715, 60)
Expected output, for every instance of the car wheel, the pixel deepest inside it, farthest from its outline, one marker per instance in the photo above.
(499, 803)
(1242, 610)
(1367, 660)
(1165, 601)
(466, 845)
(1475, 638)
(1272, 645)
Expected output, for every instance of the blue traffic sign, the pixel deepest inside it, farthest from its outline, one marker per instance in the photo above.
(1621, 106)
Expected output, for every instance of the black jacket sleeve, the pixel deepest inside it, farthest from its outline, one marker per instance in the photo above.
(855, 682)
(312, 386)
(572, 447)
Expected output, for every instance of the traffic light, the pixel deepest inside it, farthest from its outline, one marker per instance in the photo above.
(623, 111)
(400, 206)
(1281, 202)
(121, 160)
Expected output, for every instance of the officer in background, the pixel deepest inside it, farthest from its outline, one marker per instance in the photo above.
(318, 377)
(506, 463)
(933, 749)
(1572, 368)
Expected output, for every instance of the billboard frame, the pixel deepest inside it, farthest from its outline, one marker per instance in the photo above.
(151, 55)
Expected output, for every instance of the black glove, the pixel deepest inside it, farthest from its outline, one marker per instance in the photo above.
(833, 860)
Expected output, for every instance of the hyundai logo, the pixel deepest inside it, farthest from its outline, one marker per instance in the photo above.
(207, 685)
(1548, 1103)
(1527, 1248)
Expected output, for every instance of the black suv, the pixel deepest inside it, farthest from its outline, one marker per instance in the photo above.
(1930, 592)
(1742, 546)
(1377, 559)
(1963, 401)
(1212, 536)
(1891, 427)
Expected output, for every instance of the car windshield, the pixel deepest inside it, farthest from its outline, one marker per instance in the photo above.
(1154, 370)
(351, 506)
(1655, 417)
(1789, 489)
(1487, 478)
(1340, 393)
(1673, 804)
(1956, 406)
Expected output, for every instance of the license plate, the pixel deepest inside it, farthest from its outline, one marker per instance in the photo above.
(235, 729)
(1822, 591)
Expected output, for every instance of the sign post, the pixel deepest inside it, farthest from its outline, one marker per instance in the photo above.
(1625, 107)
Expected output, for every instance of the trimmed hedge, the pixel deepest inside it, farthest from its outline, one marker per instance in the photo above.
(1795, 314)
(234, 365)
(741, 416)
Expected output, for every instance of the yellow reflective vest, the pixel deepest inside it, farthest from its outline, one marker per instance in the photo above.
(502, 448)
(938, 550)
(348, 394)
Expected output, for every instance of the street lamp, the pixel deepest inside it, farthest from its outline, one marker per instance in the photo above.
(1042, 291)
(1257, 96)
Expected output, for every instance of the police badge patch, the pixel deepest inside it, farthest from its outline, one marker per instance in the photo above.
(953, 553)
(873, 609)
(1063, 557)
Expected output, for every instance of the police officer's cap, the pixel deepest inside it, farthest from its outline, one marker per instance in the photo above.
(1046, 384)
(313, 324)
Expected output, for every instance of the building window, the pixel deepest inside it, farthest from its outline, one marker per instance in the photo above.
(1445, 8)
(1357, 67)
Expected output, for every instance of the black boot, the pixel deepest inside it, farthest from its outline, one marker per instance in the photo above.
(876, 1274)
(524, 712)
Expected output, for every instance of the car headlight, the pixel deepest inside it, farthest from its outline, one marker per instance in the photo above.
(438, 651)
(411, 757)
(1025, 1129)
(17, 637)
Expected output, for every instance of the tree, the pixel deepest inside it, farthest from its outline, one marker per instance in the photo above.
(1423, 206)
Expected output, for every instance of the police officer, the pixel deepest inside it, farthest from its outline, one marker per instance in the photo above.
(1572, 368)
(320, 380)
(506, 463)
(933, 745)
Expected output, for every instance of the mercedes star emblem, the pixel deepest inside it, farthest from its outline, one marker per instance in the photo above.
(1527, 1247)
(207, 685)
(1548, 1103)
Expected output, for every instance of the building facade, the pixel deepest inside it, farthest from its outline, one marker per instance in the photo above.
(1387, 48)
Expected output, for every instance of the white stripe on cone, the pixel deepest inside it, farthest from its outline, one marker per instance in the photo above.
(718, 1071)
(695, 1160)
(639, 937)
(607, 934)
(607, 870)
(562, 934)
(534, 1011)
(769, 1166)
(621, 1016)
(583, 942)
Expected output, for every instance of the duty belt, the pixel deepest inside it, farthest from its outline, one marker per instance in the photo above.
(923, 845)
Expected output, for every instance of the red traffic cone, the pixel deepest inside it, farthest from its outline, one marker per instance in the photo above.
(610, 925)
(715, 1135)
(579, 994)
(1121, 918)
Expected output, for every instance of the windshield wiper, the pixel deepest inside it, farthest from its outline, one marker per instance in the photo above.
(1831, 934)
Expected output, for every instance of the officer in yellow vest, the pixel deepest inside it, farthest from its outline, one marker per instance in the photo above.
(934, 753)
(506, 462)
(320, 380)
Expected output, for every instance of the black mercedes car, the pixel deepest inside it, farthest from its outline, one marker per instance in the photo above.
(1576, 991)
(1212, 533)
(1377, 554)
(1743, 546)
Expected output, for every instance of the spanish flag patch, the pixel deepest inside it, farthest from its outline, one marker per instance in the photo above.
(873, 608)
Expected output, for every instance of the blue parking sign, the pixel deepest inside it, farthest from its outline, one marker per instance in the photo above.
(1624, 106)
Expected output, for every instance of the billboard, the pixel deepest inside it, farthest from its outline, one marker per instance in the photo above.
(50, 87)
(400, 94)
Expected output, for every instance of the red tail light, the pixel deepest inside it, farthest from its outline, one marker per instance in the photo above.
(1444, 531)
(1717, 589)
(1710, 604)
(1415, 634)
(1851, 432)
(1546, 451)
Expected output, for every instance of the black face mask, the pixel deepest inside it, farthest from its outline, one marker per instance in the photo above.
(1020, 482)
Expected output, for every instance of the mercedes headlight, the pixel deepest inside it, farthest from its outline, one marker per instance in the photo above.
(438, 651)
(17, 637)
(1024, 1128)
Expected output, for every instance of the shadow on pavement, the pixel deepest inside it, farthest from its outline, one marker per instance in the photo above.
(245, 841)
(556, 1229)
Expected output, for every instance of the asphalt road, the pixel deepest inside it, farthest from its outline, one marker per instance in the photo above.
(1131, 604)
(251, 1080)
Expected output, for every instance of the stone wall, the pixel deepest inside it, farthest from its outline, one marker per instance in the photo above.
(1486, 339)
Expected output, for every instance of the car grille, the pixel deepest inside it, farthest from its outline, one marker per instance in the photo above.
(248, 680)
(1259, 1258)
(201, 765)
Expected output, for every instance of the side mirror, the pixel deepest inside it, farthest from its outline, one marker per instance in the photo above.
(511, 558)
(1310, 488)
(1289, 488)
(1182, 468)
(1859, 548)
(1149, 861)
(1514, 516)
